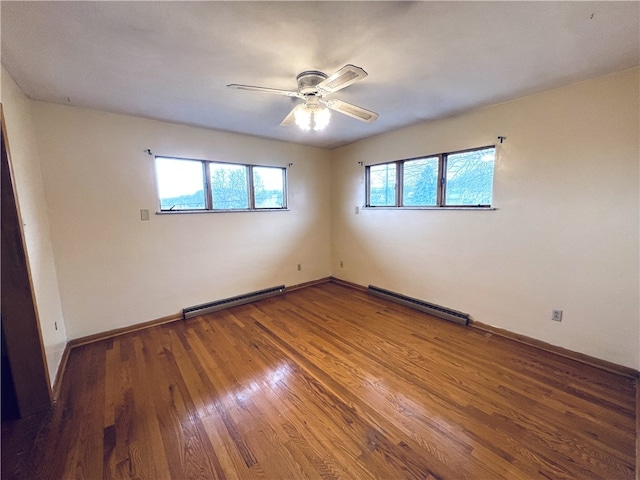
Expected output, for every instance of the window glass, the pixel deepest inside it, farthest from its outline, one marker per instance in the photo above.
(469, 177)
(180, 184)
(229, 186)
(382, 185)
(268, 187)
(420, 182)
(460, 179)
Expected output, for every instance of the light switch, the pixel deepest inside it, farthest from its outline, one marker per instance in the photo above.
(144, 215)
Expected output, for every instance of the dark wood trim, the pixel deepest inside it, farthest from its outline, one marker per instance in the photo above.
(547, 347)
(60, 372)
(563, 352)
(339, 281)
(77, 342)
(327, 380)
(584, 359)
(20, 316)
(293, 288)
(580, 357)
(638, 429)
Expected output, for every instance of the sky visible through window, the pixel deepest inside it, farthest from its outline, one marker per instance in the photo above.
(178, 177)
(181, 185)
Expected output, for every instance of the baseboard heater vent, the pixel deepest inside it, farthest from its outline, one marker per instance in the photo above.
(205, 308)
(436, 310)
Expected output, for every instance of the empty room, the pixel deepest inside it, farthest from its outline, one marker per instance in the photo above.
(304, 240)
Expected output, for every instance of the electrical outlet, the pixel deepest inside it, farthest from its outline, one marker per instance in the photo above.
(341, 264)
(299, 266)
(556, 315)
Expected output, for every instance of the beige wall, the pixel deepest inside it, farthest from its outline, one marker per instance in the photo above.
(565, 234)
(33, 210)
(115, 270)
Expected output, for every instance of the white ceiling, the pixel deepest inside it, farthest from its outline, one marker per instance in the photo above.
(172, 60)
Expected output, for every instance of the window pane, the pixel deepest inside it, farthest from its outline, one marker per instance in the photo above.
(382, 185)
(268, 187)
(470, 177)
(180, 184)
(420, 182)
(229, 186)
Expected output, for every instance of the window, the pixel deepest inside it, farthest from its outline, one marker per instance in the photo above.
(382, 185)
(229, 187)
(420, 182)
(268, 187)
(180, 184)
(200, 185)
(469, 178)
(456, 179)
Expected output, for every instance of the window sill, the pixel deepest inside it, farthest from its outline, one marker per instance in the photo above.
(189, 212)
(432, 208)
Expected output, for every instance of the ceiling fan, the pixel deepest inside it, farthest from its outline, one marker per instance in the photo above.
(313, 87)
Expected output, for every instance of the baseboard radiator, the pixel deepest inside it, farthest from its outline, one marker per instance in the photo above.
(205, 308)
(430, 308)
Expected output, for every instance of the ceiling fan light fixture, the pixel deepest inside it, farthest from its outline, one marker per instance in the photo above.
(303, 118)
(313, 87)
(312, 117)
(321, 118)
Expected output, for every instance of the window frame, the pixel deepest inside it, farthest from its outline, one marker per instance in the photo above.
(208, 188)
(252, 192)
(441, 193)
(209, 193)
(368, 184)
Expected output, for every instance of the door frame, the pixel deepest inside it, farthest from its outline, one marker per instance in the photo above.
(20, 319)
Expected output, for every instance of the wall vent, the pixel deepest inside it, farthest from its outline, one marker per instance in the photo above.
(436, 310)
(205, 308)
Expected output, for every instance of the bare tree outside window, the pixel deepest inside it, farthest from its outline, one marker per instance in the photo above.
(420, 182)
(182, 186)
(382, 185)
(470, 177)
(229, 186)
(458, 179)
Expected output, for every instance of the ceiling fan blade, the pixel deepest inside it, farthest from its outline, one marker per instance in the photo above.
(352, 110)
(291, 118)
(274, 91)
(342, 78)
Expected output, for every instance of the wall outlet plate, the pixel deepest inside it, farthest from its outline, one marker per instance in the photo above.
(556, 315)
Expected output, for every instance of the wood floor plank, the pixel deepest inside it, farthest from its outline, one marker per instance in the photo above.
(530, 404)
(389, 407)
(327, 382)
(151, 462)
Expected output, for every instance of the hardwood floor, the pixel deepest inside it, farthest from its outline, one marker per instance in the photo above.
(329, 382)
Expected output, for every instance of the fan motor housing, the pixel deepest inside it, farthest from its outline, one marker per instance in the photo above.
(308, 80)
